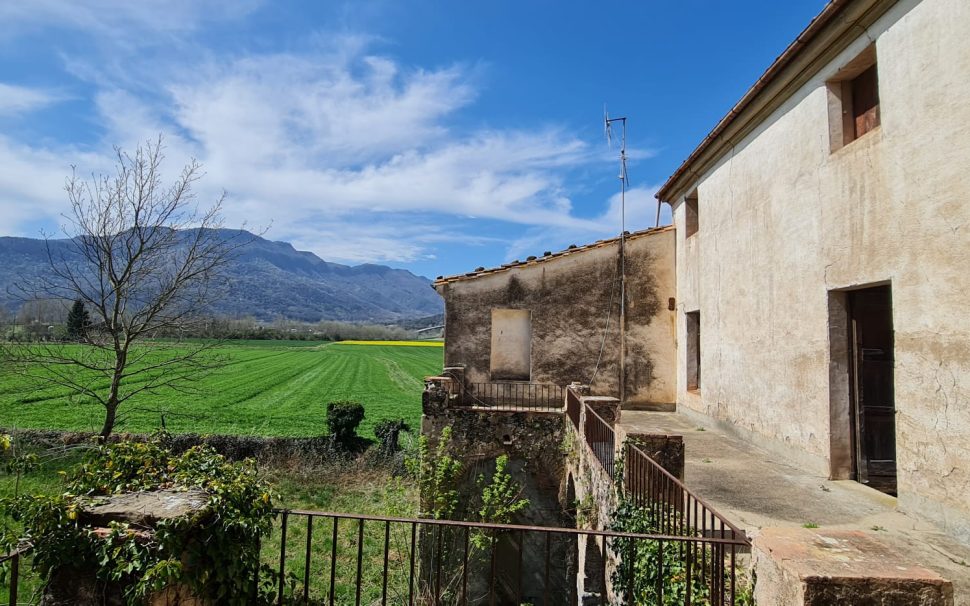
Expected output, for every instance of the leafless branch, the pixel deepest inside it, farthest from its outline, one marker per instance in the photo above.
(146, 260)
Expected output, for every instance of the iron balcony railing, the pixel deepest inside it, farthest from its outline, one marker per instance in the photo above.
(601, 439)
(336, 558)
(514, 396)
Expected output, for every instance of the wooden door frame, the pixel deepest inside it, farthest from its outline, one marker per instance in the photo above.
(844, 430)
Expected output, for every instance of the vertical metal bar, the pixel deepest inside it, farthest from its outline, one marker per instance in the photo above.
(279, 597)
(545, 580)
(414, 533)
(518, 584)
(734, 571)
(333, 561)
(360, 556)
(632, 563)
(306, 565)
(690, 579)
(703, 548)
(387, 548)
(464, 571)
(437, 576)
(603, 574)
(660, 572)
(491, 581)
(15, 578)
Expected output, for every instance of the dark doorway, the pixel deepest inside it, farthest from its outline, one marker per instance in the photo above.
(871, 368)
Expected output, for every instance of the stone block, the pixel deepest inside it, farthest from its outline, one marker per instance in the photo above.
(813, 567)
(143, 509)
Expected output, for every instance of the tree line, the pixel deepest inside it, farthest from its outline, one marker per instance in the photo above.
(51, 320)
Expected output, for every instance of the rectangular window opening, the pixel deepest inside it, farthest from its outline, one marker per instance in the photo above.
(691, 223)
(854, 100)
(693, 350)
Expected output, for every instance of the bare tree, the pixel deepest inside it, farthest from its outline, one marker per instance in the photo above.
(146, 261)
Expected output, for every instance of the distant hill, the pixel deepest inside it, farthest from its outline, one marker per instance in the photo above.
(272, 279)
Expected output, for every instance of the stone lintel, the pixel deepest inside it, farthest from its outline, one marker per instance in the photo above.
(144, 508)
(814, 567)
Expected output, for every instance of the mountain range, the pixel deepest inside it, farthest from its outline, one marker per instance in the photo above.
(269, 280)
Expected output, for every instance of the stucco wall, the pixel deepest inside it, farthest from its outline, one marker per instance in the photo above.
(783, 221)
(568, 297)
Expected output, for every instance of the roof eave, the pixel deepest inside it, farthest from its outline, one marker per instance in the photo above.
(824, 37)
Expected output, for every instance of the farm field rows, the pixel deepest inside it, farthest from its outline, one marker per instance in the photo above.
(269, 388)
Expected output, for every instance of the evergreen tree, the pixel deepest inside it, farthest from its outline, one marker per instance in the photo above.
(78, 321)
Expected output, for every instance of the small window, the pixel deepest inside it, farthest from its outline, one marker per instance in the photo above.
(690, 222)
(511, 355)
(854, 100)
(693, 350)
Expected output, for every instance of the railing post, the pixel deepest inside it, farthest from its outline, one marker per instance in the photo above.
(14, 578)
(279, 598)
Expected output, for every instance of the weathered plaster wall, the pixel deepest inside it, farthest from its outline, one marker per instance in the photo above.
(783, 221)
(568, 297)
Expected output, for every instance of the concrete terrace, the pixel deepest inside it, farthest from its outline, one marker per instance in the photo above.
(755, 489)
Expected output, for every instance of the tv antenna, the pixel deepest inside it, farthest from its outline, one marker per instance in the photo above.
(624, 179)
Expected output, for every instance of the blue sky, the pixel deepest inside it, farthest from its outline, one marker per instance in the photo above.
(436, 136)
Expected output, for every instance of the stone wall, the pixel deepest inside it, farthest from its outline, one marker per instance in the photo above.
(568, 296)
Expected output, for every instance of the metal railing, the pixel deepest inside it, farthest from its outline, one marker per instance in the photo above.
(336, 558)
(574, 407)
(514, 396)
(601, 439)
(13, 561)
(673, 506)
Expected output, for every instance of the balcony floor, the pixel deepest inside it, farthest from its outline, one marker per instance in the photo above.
(755, 489)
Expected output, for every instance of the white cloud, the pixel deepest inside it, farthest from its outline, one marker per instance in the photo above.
(20, 99)
(336, 147)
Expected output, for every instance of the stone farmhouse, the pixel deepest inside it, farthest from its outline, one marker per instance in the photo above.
(795, 347)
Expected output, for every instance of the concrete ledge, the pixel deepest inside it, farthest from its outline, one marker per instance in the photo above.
(797, 566)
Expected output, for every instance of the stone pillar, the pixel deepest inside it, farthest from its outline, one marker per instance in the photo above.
(437, 396)
(605, 406)
(77, 584)
(666, 450)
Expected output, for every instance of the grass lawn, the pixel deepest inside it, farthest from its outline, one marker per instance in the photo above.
(268, 388)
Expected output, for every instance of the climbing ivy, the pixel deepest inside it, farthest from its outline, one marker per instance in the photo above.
(501, 500)
(214, 554)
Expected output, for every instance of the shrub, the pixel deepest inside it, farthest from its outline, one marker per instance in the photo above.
(343, 417)
(387, 433)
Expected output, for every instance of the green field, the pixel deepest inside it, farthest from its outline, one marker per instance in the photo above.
(268, 388)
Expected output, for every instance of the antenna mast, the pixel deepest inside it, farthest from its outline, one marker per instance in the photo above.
(624, 178)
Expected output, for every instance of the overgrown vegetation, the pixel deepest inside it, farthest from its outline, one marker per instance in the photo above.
(222, 543)
(660, 569)
(437, 473)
